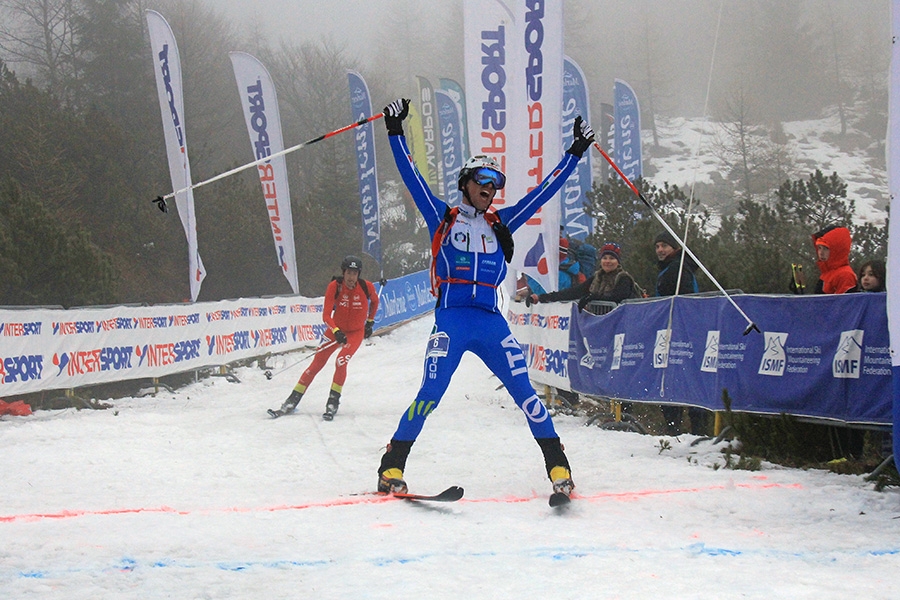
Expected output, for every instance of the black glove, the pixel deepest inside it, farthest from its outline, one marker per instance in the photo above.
(370, 327)
(583, 137)
(505, 239)
(585, 300)
(339, 336)
(394, 113)
(531, 299)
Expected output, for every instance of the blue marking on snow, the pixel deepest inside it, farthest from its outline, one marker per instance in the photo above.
(33, 574)
(128, 565)
(701, 548)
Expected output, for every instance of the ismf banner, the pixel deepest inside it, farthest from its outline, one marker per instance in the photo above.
(576, 223)
(260, 104)
(796, 365)
(167, 68)
(451, 145)
(513, 66)
(45, 349)
(404, 298)
(543, 333)
(627, 144)
(364, 144)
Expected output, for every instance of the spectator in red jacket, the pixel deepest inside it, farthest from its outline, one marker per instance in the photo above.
(833, 259)
(349, 311)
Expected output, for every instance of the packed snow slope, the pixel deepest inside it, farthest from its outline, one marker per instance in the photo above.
(199, 494)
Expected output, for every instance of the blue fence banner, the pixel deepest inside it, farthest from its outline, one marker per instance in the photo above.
(404, 298)
(364, 145)
(573, 199)
(823, 356)
(627, 145)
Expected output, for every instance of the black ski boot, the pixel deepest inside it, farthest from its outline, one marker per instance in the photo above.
(289, 405)
(558, 471)
(390, 473)
(332, 405)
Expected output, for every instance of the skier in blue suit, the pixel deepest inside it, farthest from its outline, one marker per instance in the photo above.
(470, 249)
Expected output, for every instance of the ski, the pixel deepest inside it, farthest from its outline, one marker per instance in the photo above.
(558, 499)
(275, 413)
(451, 494)
(327, 415)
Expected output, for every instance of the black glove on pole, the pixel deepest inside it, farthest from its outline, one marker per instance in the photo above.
(394, 113)
(340, 337)
(583, 137)
(370, 327)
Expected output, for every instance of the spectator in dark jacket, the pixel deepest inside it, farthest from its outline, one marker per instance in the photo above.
(610, 283)
(668, 253)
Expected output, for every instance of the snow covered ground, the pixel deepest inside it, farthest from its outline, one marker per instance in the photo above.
(198, 494)
(812, 143)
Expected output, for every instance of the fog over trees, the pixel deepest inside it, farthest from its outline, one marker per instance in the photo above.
(82, 155)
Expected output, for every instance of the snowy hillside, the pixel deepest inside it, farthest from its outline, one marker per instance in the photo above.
(687, 146)
(198, 494)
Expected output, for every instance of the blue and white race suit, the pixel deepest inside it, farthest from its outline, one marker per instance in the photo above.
(470, 267)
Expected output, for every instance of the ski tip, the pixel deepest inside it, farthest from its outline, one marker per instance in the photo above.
(273, 413)
(451, 494)
(327, 417)
(559, 499)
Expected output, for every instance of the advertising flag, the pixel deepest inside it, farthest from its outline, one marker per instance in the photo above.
(607, 133)
(257, 92)
(455, 91)
(364, 144)
(576, 223)
(428, 116)
(167, 67)
(451, 145)
(513, 66)
(893, 258)
(627, 145)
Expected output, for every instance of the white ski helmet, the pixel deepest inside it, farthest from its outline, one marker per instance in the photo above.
(477, 162)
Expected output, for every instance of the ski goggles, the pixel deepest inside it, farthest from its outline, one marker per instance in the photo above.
(484, 176)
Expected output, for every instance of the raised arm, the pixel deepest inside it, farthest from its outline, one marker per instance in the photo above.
(515, 216)
(431, 207)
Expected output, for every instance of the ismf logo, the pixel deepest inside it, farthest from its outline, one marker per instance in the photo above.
(847, 362)
(774, 358)
(618, 345)
(661, 349)
(711, 353)
(587, 361)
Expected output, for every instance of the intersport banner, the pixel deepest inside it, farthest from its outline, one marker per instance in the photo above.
(543, 333)
(455, 91)
(364, 145)
(513, 66)
(47, 349)
(893, 259)
(794, 366)
(429, 117)
(627, 144)
(167, 68)
(451, 145)
(576, 223)
(260, 104)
